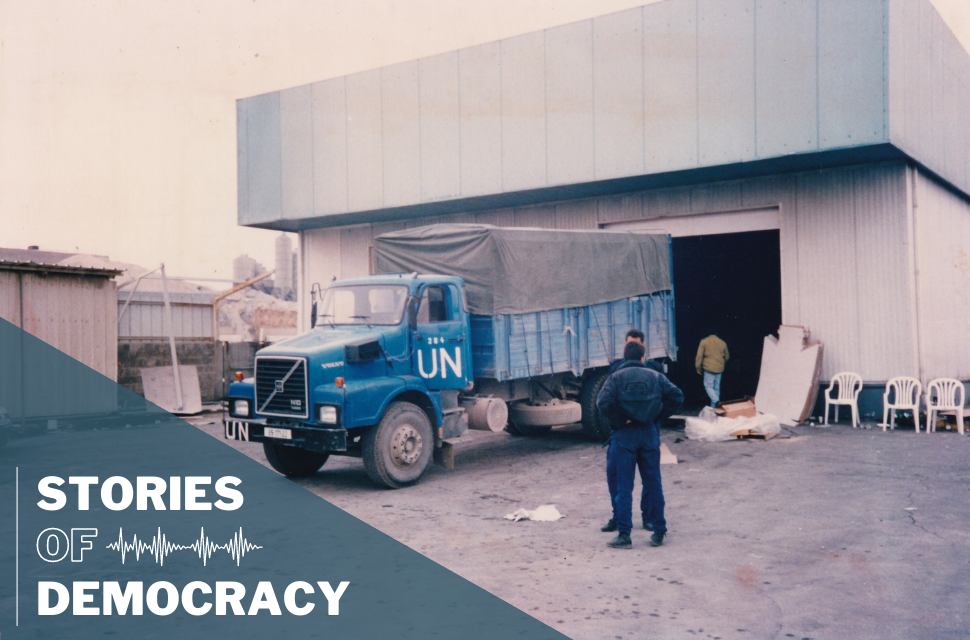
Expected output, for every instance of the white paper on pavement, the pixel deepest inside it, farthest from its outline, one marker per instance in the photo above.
(543, 513)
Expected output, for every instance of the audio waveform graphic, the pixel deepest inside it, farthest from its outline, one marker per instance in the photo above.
(160, 547)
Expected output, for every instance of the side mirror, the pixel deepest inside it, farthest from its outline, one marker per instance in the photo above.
(412, 311)
(313, 315)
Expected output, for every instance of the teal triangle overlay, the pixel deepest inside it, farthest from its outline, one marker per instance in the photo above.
(394, 592)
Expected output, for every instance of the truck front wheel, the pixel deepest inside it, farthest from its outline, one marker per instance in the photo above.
(397, 451)
(293, 462)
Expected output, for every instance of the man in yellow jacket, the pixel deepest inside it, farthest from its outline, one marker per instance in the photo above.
(712, 354)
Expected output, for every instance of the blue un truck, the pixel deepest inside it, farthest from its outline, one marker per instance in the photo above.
(466, 327)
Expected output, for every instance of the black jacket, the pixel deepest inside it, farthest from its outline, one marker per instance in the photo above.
(638, 396)
(650, 364)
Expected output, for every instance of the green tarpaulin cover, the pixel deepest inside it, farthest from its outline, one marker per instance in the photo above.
(518, 270)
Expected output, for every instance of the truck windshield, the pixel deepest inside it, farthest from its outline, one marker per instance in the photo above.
(363, 304)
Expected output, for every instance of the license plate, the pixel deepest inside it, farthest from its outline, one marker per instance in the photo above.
(282, 434)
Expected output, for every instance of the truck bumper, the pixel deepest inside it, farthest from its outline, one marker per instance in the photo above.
(311, 439)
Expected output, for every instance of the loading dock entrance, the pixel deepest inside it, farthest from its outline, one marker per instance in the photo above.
(727, 273)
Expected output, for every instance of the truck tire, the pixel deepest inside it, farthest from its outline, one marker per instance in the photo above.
(595, 426)
(520, 431)
(293, 462)
(539, 418)
(398, 450)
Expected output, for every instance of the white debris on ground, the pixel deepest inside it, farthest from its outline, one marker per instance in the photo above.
(543, 513)
(709, 427)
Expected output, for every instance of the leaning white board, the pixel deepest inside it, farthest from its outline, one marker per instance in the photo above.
(788, 374)
(158, 384)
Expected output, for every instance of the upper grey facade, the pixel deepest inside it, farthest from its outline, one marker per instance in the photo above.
(678, 92)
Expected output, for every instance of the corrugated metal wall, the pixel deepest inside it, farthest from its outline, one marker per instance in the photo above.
(73, 313)
(942, 229)
(670, 86)
(843, 236)
(145, 316)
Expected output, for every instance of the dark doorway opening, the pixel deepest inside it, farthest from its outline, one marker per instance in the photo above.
(731, 282)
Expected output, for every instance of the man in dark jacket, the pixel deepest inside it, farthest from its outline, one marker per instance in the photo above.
(636, 400)
(633, 335)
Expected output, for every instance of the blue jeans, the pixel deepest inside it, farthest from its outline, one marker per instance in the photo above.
(712, 385)
(631, 448)
(611, 482)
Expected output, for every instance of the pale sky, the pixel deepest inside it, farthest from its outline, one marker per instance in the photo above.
(117, 118)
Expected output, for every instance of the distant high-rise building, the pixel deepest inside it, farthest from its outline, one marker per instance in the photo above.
(245, 268)
(284, 285)
(296, 278)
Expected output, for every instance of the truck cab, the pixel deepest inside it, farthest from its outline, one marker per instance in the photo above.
(378, 376)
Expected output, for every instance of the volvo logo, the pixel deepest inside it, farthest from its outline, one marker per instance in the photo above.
(279, 386)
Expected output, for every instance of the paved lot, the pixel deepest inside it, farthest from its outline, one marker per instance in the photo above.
(819, 533)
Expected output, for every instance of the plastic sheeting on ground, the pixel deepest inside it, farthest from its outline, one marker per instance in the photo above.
(708, 427)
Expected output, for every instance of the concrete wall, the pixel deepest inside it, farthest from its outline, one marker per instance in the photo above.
(844, 241)
(205, 355)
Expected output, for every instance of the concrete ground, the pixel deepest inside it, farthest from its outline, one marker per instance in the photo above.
(818, 533)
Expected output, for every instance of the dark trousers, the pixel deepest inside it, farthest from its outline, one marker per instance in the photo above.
(611, 482)
(632, 448)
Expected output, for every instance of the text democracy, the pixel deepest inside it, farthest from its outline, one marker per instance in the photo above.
(54, 598)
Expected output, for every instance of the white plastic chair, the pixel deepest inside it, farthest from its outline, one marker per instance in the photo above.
(850, 384)
(944, 394)
(907, 393)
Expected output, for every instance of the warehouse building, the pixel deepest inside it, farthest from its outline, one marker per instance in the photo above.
(810, 158)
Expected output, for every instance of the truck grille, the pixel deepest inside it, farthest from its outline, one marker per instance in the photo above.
(281, 387)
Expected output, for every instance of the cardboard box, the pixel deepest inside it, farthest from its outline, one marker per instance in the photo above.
(743, 408)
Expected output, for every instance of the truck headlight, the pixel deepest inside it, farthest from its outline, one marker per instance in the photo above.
(240, 407)
(328, 415)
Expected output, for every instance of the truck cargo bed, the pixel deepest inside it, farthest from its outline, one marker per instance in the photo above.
(513, 346)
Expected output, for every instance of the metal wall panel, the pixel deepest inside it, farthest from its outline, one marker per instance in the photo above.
(440, 140)
(365, 162)
(619, 209)
(942, 230)
(296, 154)
(321, 264)
(883, 272)
(618, 93)
(10, 297)
(242, 161)
(355, 243)
(330, 146)
(725, 82)
(401, 126)
(543, 217)
(851, 72)
(569, 103)
(853, 283)
(497, 217)
(670, 85)
(580, 214)
(666, 202)
(929, 90)
(723, 196)
(263, 161)
(523, 112)
(480, 89)
(827, 283)
(78, 316)
(787, 87)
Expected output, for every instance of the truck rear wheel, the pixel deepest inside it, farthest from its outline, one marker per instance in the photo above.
(595, 426)
(293, 462)
(397, 451)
